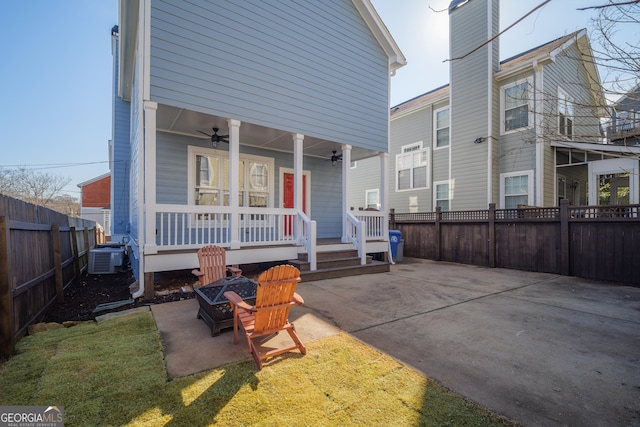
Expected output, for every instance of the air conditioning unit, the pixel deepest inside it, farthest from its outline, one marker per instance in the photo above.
(105, 260)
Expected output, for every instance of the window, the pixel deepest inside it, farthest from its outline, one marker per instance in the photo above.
(411, 167)
(372, 198)
(565, 114)
(441, 127)
(517, 104)
(442, 195)
(209, 178)
(516, 189)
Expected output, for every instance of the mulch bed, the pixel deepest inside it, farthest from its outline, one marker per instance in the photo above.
(84, 295)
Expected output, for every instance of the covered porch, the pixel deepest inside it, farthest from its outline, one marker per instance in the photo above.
(597, 174)
(278, 213)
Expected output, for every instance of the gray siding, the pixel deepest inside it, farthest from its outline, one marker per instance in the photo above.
(568, 73)
(469, 103)
(121, 111)
(408, 130)
(275, 64)
(366, 176)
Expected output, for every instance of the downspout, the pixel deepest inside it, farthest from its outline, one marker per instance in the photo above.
(143, 57)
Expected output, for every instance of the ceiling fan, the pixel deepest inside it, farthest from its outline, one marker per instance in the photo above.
(335, 158)
(215, 138)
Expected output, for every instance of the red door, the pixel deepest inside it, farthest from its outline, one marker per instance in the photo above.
(289, 198)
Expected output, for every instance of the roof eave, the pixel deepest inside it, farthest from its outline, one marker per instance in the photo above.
(382, 34)
(128, 28)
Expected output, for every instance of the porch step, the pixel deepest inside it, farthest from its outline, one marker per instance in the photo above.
(337, 272)
(337, 263)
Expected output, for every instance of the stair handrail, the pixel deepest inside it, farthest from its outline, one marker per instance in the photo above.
(308, 239)
(356, 235)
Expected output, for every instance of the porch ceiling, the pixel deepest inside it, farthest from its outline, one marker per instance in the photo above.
(187, 122)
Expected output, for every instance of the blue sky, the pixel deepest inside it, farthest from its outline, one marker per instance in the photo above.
(57, 65)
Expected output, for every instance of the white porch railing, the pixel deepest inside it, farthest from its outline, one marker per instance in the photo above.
(375, 224)
(190, 227)
(308, 239)
(356, 235)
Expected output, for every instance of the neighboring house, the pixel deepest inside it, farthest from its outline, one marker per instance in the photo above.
(95, 201)
(524, 131)
(289, 83)
(624, 128)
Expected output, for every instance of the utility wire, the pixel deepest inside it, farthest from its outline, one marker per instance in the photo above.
(500, 33)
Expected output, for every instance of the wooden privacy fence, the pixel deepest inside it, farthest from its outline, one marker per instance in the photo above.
(593, 242)
(41, 253)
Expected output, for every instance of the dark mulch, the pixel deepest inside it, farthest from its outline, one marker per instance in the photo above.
(84, 295)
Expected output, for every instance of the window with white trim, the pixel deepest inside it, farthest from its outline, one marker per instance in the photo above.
(441, 127)
(516, 102)
(412, 167)
(372, 199)
(442, 195)
(565, 114)
(209, 179)
(516, 188)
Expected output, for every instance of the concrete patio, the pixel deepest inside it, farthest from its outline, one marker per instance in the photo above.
(539, 348)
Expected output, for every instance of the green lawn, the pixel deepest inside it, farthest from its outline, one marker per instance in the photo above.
(112, 373)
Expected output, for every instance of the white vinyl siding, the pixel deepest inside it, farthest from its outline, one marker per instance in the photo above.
(441, 127)
(516, 106)
(412, 167)
(516, 189)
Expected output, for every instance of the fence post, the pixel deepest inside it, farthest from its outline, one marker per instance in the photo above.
(57, 262)
(492, 235)
(565, 268)
(85, 235)
(74, 252)
(7, 342)
(392, 219)
(438, 234)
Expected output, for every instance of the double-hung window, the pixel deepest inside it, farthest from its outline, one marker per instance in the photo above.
(209, 179)
(517, 106)
(372, 198)
(442, 195)
(565, 114)
(441, 127)
(516, 188)
(412, 167)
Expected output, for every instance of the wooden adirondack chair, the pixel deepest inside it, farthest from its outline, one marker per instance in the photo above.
(213, 260)
(275, 295)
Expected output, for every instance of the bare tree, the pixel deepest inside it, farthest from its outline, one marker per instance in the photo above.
(619, 57)
(35, 187)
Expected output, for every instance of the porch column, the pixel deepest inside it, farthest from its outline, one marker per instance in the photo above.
(234, 168)
(384, 186)
(149, 169)
(298, 149)
(346, 183)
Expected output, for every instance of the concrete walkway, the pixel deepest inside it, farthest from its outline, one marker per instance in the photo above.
(539, 348)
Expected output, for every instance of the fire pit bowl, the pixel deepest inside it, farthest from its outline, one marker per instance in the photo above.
(215, 309)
